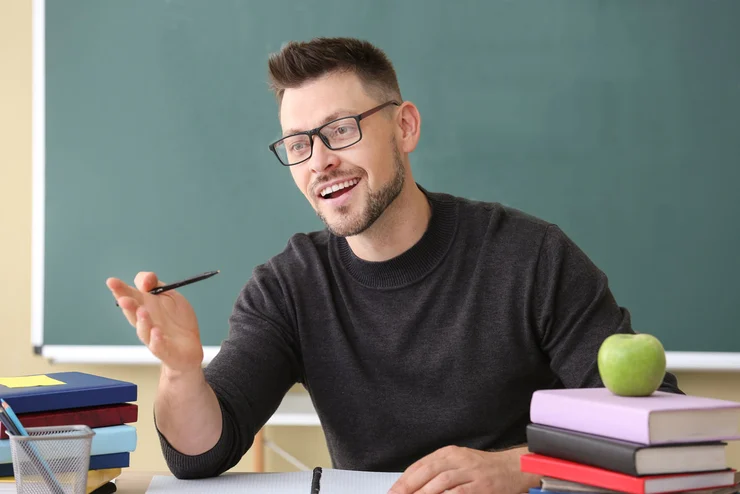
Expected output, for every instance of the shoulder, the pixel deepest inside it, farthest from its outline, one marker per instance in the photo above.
(512, 239)
(486, 220)
(274, 283)
(303, 253)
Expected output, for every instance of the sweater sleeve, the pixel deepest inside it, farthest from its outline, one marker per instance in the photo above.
(253, 370)
(575, 311)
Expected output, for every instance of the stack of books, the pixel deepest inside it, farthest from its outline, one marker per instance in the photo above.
(592, 441)
(75, 398)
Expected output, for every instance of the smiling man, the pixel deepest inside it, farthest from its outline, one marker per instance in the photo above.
(420, 323)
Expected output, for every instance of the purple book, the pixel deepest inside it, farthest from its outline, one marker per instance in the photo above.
(660, 418)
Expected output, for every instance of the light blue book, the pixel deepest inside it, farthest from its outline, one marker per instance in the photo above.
(107, 440)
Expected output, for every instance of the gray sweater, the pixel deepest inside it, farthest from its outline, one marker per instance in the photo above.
(442, 345)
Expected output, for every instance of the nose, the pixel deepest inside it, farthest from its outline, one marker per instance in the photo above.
(322, 158)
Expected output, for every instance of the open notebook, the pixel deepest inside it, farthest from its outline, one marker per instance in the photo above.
(326, 481)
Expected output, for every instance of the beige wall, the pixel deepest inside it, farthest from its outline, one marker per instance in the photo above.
(15, 269)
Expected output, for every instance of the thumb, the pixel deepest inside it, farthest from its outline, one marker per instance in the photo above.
(146, 281)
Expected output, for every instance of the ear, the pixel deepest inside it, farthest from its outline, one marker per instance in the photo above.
(409, 126)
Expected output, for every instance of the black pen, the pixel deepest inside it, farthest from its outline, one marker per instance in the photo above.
(177, 284)
(316, 481)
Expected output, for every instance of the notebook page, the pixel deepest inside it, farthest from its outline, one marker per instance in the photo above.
(346, 481)
(242, 483)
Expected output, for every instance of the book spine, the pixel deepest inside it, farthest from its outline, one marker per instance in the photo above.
(91, 417)
(592, 417)
(580, 448)
(63, 399)
(107, 440)
(115, 439)
(584, 474)
(116, 460)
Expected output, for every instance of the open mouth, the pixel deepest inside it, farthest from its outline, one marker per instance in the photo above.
(337, 190)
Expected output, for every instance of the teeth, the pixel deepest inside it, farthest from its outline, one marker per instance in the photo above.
(328, 190)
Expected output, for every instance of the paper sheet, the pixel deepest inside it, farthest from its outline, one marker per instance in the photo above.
(245, 483)
(29, 381)
(332, 482)
(345, 481)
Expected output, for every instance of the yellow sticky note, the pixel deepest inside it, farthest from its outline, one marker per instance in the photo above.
(28, 381)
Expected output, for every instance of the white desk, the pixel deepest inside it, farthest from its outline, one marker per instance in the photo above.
(296, 409)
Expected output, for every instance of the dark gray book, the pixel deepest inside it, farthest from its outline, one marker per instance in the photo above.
(623, 456)
(107, 488)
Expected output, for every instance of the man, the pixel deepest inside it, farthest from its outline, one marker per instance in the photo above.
(419, 322)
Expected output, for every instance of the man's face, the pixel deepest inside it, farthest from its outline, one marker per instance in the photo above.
(370, 171)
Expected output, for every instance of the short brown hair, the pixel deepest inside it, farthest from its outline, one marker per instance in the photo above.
(299, 62)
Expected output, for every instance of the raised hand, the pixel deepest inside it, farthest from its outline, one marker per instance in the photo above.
(165, 323)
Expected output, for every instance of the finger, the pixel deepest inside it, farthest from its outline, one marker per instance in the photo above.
(129, 306)
(461, 489)
(120, 289)
(446, 480)
(425, 470)
(143, 325)
(146, 281)
(158, 344)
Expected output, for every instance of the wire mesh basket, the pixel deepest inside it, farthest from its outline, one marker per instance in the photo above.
(51, 460)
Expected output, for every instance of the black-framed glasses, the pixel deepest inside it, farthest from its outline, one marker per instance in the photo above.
(337, 134)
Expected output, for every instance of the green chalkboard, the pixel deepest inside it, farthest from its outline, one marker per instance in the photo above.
(619, 120)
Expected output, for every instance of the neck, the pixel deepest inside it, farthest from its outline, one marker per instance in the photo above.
(400, 226)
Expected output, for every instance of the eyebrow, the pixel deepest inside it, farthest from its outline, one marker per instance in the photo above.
(342, 112)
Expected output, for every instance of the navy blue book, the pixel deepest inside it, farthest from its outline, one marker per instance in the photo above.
(61, 390)
(97, 462)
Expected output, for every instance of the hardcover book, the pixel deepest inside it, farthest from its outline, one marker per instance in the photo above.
(656, 419)
(107, 440)
(63, 390)
(97, 462)
(102, 416)
(568, 490)
(607, 479)
(551, 484)
(626, 457)
(95, 479)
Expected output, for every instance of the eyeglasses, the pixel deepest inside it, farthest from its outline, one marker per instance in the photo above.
(337, 134)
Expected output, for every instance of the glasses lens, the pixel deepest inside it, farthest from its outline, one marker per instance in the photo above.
(342, 133)
(293, 149)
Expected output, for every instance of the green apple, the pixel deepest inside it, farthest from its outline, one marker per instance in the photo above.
(631, 364)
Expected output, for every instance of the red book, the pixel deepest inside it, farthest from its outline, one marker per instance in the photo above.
(607, 479)
(101, 416)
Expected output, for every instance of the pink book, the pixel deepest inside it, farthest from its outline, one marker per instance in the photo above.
(660, 418)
